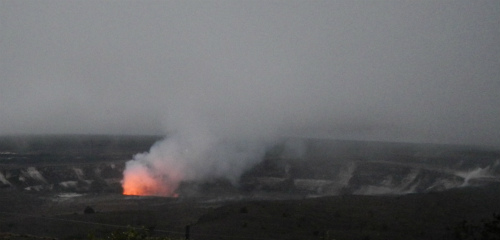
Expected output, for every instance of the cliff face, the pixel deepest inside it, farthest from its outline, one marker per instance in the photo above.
(67, 163)
(96, 177)
(375, 168)
(324, 168)
(376, 178)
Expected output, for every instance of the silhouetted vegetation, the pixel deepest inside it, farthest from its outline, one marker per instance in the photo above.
(88, 210)
(487, 230)
(132, 234)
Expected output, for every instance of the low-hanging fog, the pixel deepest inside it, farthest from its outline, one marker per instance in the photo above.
(223, 79)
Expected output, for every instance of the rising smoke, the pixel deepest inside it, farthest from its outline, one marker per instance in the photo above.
(190, 156)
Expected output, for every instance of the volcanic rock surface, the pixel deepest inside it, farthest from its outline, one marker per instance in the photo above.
(326, 167)
(423, 191)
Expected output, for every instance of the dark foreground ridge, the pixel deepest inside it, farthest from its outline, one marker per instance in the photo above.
(413, 216)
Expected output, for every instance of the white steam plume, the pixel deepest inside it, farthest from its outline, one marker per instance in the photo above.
(190, 155)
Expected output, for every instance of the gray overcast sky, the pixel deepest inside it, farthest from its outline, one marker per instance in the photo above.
(425, 71)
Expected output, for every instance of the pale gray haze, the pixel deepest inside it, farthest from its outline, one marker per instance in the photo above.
(416, 71)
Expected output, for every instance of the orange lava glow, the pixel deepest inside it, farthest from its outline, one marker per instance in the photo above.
(139, 182)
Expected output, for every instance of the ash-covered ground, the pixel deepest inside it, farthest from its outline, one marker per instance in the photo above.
(47, 183)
